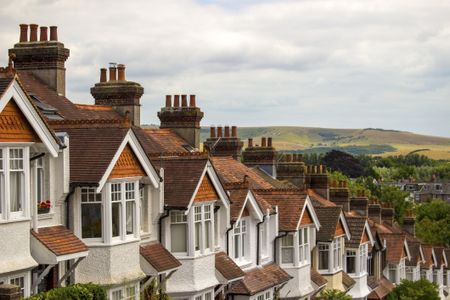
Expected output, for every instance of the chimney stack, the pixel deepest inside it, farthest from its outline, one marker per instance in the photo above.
(53, 33)
(192, 101)
(374, 212)
(183, 100)
(103, 75)
(212, 132)
(33, 32)
(263, 142)
(359, 204)
(176, 101)
(263, 157)
(409, 225)
(121, 72)
(112, 72)
(269, 142)
(23, 33)
(387, 215)
(233, 131)
(219, 131)
(168, 101)
(43, 36)
(250, 143)
(227, 131)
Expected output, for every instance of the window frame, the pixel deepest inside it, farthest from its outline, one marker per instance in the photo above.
(177, 217)
(350, 253)
(324, 248)
(290, 247)
(92, 191)
(26, 281)
(304, 246)
(124, 292)
(243, 237)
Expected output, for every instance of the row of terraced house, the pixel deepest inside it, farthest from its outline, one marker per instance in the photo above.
(87, 194)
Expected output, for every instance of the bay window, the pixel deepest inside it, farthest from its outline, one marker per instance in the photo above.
(91, 214)
(178, 231)
(123, 208)
(203, 227)
(303, 246)
(363, 258)
(144, 209)
(14, 171)
(240, 239)
(324, 251)
(287, 249)
(130, 292)
(392, 269)
(351, 261)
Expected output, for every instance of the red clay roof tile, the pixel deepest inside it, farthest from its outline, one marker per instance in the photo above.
(159, 257)
(59, 240)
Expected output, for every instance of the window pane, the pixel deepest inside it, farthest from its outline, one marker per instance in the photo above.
(208, 296)
(117, 295)
(116, 207)
(40, 184)
(144, 210)
(129, 191)
(116, 194)
(178, 237)
(323, 257)
(20, 282)
(91, 220)
(198, 233)
(16, 191)
(287, 255)
(130, 217)
(207, 234)
(351, 264)
(237, 246)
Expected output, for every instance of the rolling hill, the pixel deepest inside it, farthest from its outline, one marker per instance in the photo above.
(372, 141)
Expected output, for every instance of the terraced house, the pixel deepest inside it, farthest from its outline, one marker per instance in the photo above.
(87, 194)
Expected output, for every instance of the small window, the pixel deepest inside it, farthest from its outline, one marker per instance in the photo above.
(304, 249)
(178, 231)
(287, 249)
(324, 250)
(240, 239)
(20, 282)
(351, 261)
(91, 213)
(16, 179)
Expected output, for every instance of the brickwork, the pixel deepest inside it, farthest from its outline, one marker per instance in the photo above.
(292, 169)
(9, 292)
(226, 145)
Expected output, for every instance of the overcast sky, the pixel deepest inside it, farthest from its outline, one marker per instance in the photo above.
(321, 63)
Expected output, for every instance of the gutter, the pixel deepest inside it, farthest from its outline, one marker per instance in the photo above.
(257, 240)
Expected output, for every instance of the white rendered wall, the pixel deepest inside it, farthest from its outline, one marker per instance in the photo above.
(300, 285)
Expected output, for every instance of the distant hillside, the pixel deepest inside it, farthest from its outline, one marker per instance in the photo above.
(369, 140)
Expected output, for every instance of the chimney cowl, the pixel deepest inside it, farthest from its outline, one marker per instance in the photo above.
(184, 101)
(219, 131)
(263, 142)
(176, 101)
(121, 72)
(269, 142)
(43, 37)
(233, 131)
(103, 75)
(33, 32)
(227, 131)
(112, 72)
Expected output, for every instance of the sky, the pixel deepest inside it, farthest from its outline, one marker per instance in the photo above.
(316, 63)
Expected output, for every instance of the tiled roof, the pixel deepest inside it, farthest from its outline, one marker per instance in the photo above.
(159, 257)
(438, 252)
(395, 243)
(274, 182)
(181, 177)
(290, 205)
(59, 240)
(260, 279)
(428, 255)
(328, 218)
(356, 225)
(317, 278)
(156, 141)
(67, 109)
(347, 281)
(237, 199)
(233, 171)
(383, 288)
(447, 255)
(4, 84)
(414, 250)
(91, 152)
(227, 267)
(318, 200)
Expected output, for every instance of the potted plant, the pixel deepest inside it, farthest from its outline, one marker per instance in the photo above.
(44, 207)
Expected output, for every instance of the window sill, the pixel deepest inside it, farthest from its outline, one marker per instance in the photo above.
(14, 220)
(46, 216)
(243, 263)
(112, 244)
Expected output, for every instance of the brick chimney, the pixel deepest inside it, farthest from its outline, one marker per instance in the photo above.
(9, 292)
(374, 212)
(291, 168)
(387, 215)
(42, 57)
(360, 204)
(409, 223)
(261, 156)
(228, 145)
(124, 96)
(184, 119)
(340, 194)
(317, 179)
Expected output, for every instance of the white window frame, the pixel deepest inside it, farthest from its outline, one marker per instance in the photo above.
(392, 269)
(6, 215)
(40, 186)
(337, 254)
(144, 204)
(363, 253)
(324, 247)
(124, 292)
(265, 295)
(25, 290)
(91, 192)
(402, 269)
(241, 232)
(351, 253)
(289, 247)
(304, 250)
(179, 217)
(203, 217)
(264, 237)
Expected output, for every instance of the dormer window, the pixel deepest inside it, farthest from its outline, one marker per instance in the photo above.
(287, 249)
(178, 231)
(331, 255)
(304, 251)
(240, 239)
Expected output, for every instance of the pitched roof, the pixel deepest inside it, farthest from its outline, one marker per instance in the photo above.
(356, 225)
(233, 171)
(91, 152)
(4, 84)
(328, 218)
(290, 206)
(395, 243)
(383, 288)
(159, 257)
(181, 177)
(160, 141)
(260, 279)
(438, 252)
(318, 200)
(59, 240)
(414, 250)
(347, 281)
(317, 278)
(237, 199)
(428, 255)
(227, 267)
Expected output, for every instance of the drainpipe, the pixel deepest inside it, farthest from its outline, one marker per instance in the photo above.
(67, 202)
(165, 215)
(257, 240)
(275, 245)
(228, 241)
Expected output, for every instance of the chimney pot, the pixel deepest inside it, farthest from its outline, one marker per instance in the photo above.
(250, 143)
(269, 142)
(219, 131)
(192, 101)
(121, 72)
(289, 157)
(184, 100)
(33, 32)
(263, 142)
(212, 132)
(112, 72)
(53, 33)
(168, 100)
(23, 33)
(103, 75)
(176, 101)
(234, 131)
(43, 36)
(227, 131)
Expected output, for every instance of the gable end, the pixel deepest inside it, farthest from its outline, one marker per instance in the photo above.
(127, 165)
(14, 126)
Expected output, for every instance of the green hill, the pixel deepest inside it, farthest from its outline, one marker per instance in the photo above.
(369, 140)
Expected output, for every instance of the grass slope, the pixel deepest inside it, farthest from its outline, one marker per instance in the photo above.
(368, 140)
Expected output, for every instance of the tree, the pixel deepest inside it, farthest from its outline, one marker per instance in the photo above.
(154, 291)
(415, 290)
(332, 294)
(433, 222)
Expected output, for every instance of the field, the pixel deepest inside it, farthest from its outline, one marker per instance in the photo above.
(370, 141)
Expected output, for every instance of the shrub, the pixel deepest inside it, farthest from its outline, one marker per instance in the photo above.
(88, 291)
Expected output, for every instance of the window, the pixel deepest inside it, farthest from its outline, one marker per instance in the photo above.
(144, 209)
(178, 231)
(392, 273)
(268, 295)
(91, 213)
(202, 227)
(303, 245)
(40, 180)
(130, 292)
(263, 238)
(423, 274)
(123, 209)
(370, 266)
(363, 259)
(16, 179)
(287, 249)
(263, 296)
(240, 238)
(208, 225)
(351, 261)
(337, 253)
(402, 269)
(20, 282)
(410, 273)
(444, 278)
(205, 296)
(198, 227)
(324, 256)
(208, 296)
(435, 276)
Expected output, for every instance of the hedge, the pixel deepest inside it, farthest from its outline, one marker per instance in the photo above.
(85, 291)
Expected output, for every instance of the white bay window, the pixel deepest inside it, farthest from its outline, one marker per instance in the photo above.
(331, 255)
(363, 249)
(303, 246)
(178, 231)
(123, 197)
(91, 214)
(287, 249)
(240, 239)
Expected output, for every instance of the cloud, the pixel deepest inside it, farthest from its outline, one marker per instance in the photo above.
(348, 63)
